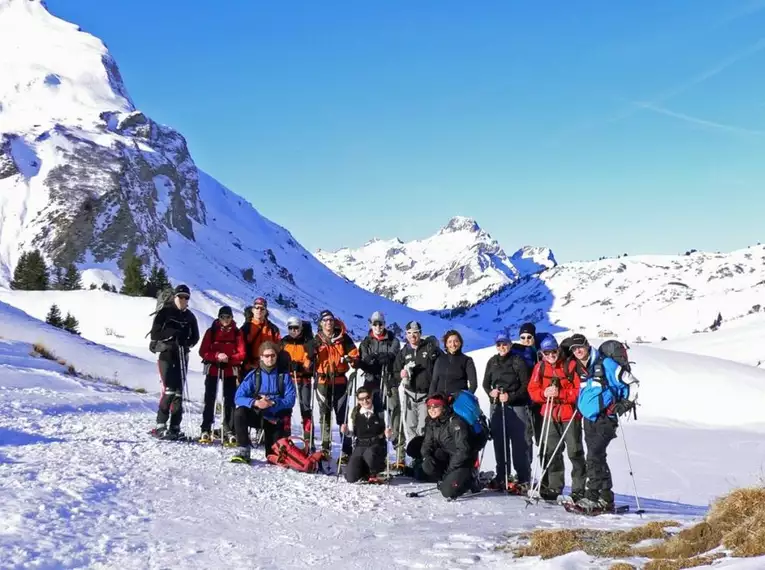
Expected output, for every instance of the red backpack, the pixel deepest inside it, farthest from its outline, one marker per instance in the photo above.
(287, 454)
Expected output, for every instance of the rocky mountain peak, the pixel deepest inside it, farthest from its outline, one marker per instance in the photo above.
(460, 224)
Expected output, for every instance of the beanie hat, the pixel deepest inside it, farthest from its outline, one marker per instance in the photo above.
(326, 313)
(182, 290)
(225, 311)
(377, 316)
(528, 328)
(260, 301)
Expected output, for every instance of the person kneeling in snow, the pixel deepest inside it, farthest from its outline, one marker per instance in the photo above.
(368, 428)
(446, 451)
(264, 399)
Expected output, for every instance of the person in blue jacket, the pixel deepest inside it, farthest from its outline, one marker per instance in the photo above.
(264, 399)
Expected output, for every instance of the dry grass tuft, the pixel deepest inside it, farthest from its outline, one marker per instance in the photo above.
(39, 349)
(622, 566)
(682, 563)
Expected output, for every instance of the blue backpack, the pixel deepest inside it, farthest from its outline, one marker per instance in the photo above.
(604, 387)
(466, 406)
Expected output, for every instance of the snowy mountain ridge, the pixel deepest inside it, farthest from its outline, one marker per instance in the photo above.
(458, 266)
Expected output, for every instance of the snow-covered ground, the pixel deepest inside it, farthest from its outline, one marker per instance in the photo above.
(83, 485)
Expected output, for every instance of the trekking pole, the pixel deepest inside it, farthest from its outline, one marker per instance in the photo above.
(536, 488)
(423, 492)
(184, 391)
(629, 463)
(504, 440)
(560, 441)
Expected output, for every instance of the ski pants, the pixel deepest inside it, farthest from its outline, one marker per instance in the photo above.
(273, 428)
(211, 393)
(515, 447)
(415, 412)
(534, 432)
(392, 401)
(171, 400)
(452, 483)
(556, 478)
(597, 436)
(331, 397)
(368, 458)
(304, 395)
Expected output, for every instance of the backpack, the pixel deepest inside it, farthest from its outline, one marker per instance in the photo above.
(307, 331)
(599, 393)
(288, 455)
(466, 406)
(165, 298)
(259, 382)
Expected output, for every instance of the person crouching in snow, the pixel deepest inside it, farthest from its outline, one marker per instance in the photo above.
(264, 399)
(447, 455)
(367, 427)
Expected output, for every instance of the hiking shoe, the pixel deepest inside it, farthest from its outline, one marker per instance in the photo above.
(576, 496)
(206, 437)
(242, 455)
(173, 433)
(229, 440)
(549, 495)
(587, 504)
(159, 431)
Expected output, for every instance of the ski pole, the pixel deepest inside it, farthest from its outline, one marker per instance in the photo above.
(629, 463)
(184, 391)
(504, 440)
(423, 492)
(560, 441)
(536, 488)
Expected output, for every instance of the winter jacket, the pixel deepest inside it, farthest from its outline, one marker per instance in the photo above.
(527, 353)
(326, 355)
(229, 341)
(448, 434)
(174, 329)
(377, 354)
(509, 373)
(256, 334)
(424, 357)
(452, 373)
(293, 357)
(564, 374)
(269, 386)
(368, 430)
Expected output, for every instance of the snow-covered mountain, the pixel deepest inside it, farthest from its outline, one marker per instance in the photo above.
(645, 297)
(457, 267)
(88, 178)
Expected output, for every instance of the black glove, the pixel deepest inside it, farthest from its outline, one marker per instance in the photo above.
(429, 465)
(623, 406)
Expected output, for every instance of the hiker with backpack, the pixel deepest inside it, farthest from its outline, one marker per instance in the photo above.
(506, 381)
(330, 354)
(453, 370)
(256, 331)
(264, 399)
(173, 332)
(366, 428)
(449, 450)
(554, 385)
(222, 352)
(299, 332)
(607, 390)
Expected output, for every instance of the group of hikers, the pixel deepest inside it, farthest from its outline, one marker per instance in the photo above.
(412, 395)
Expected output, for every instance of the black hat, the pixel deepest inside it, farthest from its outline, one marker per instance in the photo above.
(182, 290)
(225, 311)
(577, 340)
(528, 328)
(326, 313)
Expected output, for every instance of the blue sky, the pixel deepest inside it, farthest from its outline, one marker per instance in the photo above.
(593, 127)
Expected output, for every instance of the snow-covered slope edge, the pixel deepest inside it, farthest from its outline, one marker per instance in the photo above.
(457, 267)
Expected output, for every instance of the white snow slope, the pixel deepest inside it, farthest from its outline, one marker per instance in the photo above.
(458, 266)
(83, 486)
(84, 174)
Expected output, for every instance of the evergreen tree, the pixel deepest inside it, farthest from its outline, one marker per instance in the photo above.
(134, 283)
(54, 316)
(105, 286)
(113, 289)
(93, 286)
(71, 280)
(19, 274)
(70, 324)
(58, 279)
(30, 274)
(157, 281)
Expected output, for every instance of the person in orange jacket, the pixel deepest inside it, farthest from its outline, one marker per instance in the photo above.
(555, 384)
(293, 350)
(330, 354)
(256, 331)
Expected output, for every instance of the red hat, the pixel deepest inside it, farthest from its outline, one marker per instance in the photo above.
(436, 400)
(260, 301)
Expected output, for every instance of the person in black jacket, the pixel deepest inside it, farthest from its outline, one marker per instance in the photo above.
(506, 381)
(447, 455)
(173, 332)
(367, 427)
(454, 370)
(412, 372)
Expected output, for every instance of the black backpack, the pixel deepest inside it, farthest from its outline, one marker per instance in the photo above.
(259, 382)
(165, 298)
(616, 351)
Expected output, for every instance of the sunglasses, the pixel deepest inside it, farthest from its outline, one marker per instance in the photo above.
(294, 328)
(378, 324)
(577, 346)
(184, 297)
(364, 398)
(549, 352)
(268, 355)
(327, 320)
(259, 308)
(226, 317)
(526, 337)
(503, 344)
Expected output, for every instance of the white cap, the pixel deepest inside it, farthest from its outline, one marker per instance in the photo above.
(377, 316)
(294, 322)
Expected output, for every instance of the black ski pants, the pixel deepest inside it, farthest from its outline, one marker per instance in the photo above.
(514, 446)
(597, 436)
(211, 393)
(330, 398)
(273, 430)
(556, 477)
(454, 483)
(171, 400)
(367, 459)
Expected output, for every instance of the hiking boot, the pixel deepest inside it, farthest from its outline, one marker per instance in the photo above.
(173, 433)
(476, 485)
(576, 496)
(549, 495)
(229, 440)
(159, 431)
(206, 437)
(242, 455)
(587, 504)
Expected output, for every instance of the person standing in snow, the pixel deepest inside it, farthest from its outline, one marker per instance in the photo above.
(453, 370)
(367, 429)
(556, 379)
(330, 354)
(377, 353)
(256, 331)
(222, 352)
(526, 349)
(175, 331)
(264, 399)
(414, 367)
(293, 346)
(506, 382)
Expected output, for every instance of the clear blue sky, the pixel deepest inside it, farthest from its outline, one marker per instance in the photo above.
(592, 127)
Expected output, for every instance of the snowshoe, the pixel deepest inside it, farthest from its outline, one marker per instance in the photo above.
(206, 437)
(518, 489)
(229, 440)
(592, 508)
(378, 479)
(241, 457)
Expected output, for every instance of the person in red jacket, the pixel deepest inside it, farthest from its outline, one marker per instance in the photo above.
(222, 350)
(555, 384)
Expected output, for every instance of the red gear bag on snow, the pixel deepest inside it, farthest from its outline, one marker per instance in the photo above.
(287, 454)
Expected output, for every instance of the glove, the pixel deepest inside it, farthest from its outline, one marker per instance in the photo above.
(428, 465)
(623, 406)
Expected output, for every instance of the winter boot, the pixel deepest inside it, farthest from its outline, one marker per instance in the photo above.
(159, 431)
(242, 455)
(174, 433)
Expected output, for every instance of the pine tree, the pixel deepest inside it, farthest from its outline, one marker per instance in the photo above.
(113, 289)
(70, 324)
(30, 274)
(71, 280)
(157, 281)
(54, 316)
(134, 283)
(93, 286)
(58, 282)
(105, 286)
(19, 274)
